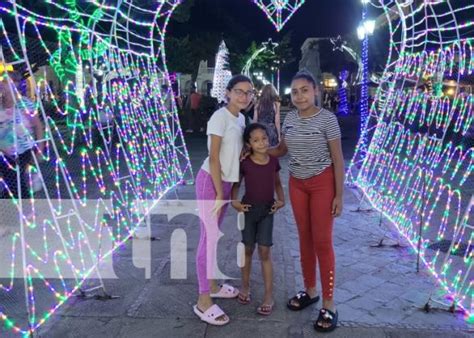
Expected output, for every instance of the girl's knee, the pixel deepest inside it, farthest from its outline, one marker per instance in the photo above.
(264, 252)
(323, 245)
(249, 250)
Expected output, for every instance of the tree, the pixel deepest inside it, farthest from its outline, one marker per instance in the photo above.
(222, 73)
(178, 52)
(183, 11)
(274, 57)
(183, 54)
(284, 53)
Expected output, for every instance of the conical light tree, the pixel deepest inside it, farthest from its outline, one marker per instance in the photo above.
(222, 74)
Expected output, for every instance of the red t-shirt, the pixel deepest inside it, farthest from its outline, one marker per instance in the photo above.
(195, 100)
(259, 180)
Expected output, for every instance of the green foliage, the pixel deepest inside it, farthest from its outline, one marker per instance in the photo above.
(183, 11)
(184, 54)
(269, 60)
(284, 52)
(178, 54)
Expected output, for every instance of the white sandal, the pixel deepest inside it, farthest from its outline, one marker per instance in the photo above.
(226, 291)
(210, 315)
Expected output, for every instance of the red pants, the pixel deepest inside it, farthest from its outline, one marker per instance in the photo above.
(311, 200)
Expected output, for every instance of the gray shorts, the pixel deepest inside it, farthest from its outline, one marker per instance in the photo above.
(258, 225)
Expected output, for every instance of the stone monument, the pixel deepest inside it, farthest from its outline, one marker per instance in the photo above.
(310, 60)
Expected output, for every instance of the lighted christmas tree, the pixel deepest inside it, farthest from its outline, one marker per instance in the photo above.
(222, 74)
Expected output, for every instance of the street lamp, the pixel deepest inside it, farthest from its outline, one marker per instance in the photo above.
(365, 29)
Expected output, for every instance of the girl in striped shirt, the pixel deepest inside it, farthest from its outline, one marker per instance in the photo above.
(312, 138)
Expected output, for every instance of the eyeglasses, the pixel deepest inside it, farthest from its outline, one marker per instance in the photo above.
(241, 93)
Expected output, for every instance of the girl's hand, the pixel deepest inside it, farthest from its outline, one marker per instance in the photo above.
(276, 205)
(219, 203)
(244, 153)
(240, 207)
(336, 207)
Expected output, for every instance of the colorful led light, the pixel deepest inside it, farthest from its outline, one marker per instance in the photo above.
(222, 74)
(343, 105)
(114, 138)
(279, 11)
(414, 161)
(112, 133)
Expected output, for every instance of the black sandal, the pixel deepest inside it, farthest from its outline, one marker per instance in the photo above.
(326, 317)
(302, 299)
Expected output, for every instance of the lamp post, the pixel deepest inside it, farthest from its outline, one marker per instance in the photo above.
(365, 29)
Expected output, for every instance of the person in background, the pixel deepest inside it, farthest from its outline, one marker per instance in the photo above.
(195, 120)
(20, 125)
(249, 112)
(267, 112)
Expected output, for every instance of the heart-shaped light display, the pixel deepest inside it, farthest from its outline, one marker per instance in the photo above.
(279, 11)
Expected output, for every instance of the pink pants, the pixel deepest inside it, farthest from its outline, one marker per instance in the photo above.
(210, 225)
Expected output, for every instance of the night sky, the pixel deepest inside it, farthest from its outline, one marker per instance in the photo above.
(242, 18)
(314, 18)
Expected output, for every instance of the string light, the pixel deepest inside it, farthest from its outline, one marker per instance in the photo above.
(279, 11)
(415, 160)
(141, 153)
(114, 135)
(343, 105)
(112, 86)
(222, 74)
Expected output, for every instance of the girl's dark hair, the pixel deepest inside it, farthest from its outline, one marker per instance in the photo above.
(266, 102)
(237, 79)
(305, 75)
(251, 127)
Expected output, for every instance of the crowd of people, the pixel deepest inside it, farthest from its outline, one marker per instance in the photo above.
(332, 102)
(195, 109)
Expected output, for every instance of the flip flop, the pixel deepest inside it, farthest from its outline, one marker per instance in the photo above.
(328, 317)
(302, 299)
(265, 309)
(226, 291)
(243, 299)
(210, 315)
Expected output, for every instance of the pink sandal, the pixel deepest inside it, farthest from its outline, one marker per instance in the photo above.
(226, 291)
(210, 315)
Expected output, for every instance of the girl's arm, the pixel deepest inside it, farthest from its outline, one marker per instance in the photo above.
(235, 191)
(280, 150)
(338, 160)
(236, 203)
(279, 188)
(255, 113)
(215, 165)
(280, 201)
(277, 120)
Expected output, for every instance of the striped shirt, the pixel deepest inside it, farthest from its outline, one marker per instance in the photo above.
(307, 141)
